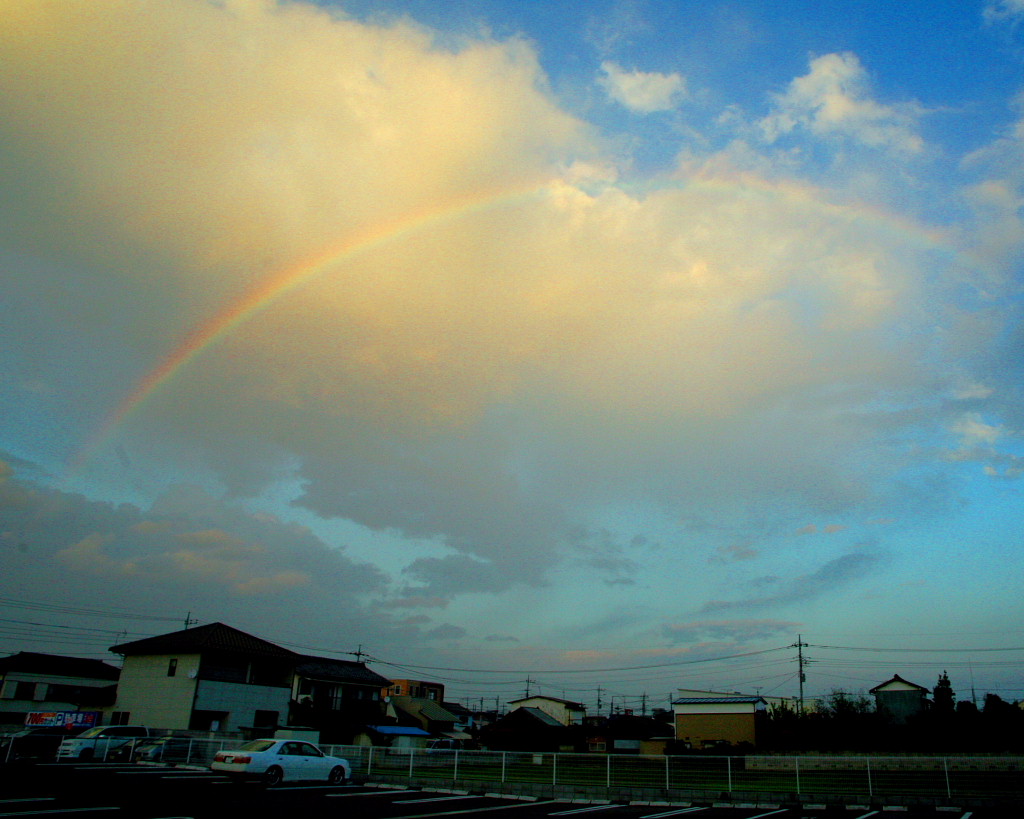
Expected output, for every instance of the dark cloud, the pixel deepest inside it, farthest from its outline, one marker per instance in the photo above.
(830, 577)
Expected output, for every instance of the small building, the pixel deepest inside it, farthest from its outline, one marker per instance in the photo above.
(566, 712)
(710, 719)
(31, 683)
(415, 688)
(900, 699)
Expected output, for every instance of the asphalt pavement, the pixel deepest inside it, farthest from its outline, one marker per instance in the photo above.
(149, 792)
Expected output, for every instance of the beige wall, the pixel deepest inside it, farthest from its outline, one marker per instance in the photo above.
(151, 697)
(698, 729)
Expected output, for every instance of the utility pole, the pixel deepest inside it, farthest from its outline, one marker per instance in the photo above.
(188, 619)
(800, 646)
(528, 681)
(599, 700)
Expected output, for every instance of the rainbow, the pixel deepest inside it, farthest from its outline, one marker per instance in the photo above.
(221, 324)
(207, 334)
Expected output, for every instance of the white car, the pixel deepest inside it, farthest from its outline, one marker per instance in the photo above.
(99, 742)
(276, 760)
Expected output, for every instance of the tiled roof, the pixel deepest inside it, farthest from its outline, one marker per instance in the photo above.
(327, 668)
(212, 637)
(58, 666)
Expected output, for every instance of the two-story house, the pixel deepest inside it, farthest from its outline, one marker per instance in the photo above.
(209, 678)
(566, 712)
(31, 683)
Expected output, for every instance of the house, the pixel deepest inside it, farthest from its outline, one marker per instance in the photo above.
(208, 678)
(565, 712)
(528, 728)
(415, 688)
(429, 715)
(710, 719)
(337, 697)
(628, 734)
(33, 683)
(900, 699)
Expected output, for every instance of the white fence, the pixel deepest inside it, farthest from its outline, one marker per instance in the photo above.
(937, 778)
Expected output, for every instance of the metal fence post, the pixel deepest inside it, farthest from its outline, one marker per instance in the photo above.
(504, 754)
(412, 756)
(608, 774)
(455, 772)
(796, 767)
(871, 789)
(668, 778)
(369, 761)
(554, 769)
(945, 770)
(188, 753)
(728, 766)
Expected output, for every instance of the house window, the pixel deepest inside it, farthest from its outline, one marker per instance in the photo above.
(334, 698)
(25, 691)
(172, 667)
(265, 719)
(120, 717)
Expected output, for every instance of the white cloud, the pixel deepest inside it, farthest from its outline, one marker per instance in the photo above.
(642, 92)
(833, 100)
(996, 11)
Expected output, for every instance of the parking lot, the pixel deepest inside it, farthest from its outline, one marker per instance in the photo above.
(152, 792)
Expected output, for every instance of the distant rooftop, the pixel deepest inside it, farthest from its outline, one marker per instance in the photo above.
(58, 666)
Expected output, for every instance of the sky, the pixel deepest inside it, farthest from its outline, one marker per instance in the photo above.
(595, 350)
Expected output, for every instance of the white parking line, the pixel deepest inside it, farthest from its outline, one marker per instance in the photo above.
(370, 793)
(51, 812)
(476, 811)
(434, 799)
(29, 799)
(770, 813)
(678, 812)
(866, 815)
(589, 809)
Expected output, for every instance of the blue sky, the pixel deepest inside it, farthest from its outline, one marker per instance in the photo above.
(614, 345)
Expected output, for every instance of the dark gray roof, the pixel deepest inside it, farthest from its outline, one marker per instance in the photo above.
(58, 666)
(577, 706)
(349, 671)
(215, 637)
(896, 678)
(543, 716)
(715, 700)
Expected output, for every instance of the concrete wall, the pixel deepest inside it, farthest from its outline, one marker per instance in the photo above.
(153, 698)
(241, 701)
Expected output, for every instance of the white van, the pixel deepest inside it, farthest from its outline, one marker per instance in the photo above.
(97, 743)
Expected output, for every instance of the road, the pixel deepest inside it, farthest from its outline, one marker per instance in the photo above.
(136, 792)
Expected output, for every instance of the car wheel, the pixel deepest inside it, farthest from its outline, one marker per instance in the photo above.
(86, 754)
(337, 776)
(273, 776)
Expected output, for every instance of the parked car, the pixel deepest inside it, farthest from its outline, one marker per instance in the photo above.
(100, 742)
(276, 760)
(35, 743)
(160, 749)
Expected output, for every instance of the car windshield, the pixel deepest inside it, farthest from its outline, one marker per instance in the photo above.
(92, 732)
(257, 745)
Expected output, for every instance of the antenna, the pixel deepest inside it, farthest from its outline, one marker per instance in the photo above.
(189, 620)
